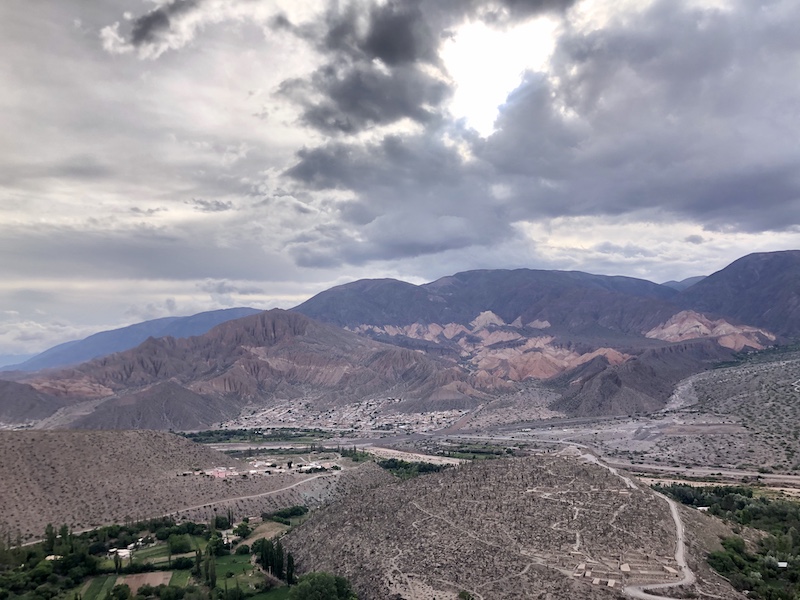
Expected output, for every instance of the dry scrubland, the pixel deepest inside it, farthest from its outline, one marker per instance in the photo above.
(764, 398)
(89, 478)
(744, 417)
(499, 529)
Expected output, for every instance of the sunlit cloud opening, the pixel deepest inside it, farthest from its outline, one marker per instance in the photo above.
(486, 64)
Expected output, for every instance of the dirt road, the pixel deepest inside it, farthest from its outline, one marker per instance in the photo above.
(638, 591)
(261, 495)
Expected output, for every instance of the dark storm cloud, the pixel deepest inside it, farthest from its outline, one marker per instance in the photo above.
(353, 92)
(396, 33)
(673, 113)
(149, 28)
(395, 163)
(361, 96)
(416, 196)
(676, 110)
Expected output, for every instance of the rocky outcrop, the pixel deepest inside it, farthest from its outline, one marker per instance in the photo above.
(496, 350)
(690, 325)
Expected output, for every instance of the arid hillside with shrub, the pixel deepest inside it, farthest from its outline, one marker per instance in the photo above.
(512, 528)
(90, 478)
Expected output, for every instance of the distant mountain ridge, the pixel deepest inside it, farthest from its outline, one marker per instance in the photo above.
(523, 323)
(760, 289)
(124, 338)
(558, 297)
(684, 283)
(606, 345)
(254, 361)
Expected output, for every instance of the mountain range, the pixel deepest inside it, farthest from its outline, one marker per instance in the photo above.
(124, 338)
(606, 345)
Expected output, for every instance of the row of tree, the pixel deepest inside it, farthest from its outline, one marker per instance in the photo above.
(274, 560)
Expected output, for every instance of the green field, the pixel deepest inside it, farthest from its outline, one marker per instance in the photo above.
(151, 554)
(241, 569)
(235, 563)
(99, 587)
(180, 578)
(281, 593)
(198, 542)
(159, 554)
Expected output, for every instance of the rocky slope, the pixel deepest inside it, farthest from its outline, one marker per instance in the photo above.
(21, 403)
(272, 356)
(760, 289)
(575, 329)
(640, 385)
(499, 529)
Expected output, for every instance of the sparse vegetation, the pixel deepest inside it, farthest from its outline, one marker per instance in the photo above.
(502, 527)
(263, 436)
(355, 454)
(770, 571)
(285, 514)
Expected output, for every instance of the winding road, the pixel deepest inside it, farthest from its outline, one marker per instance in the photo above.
(638, 591)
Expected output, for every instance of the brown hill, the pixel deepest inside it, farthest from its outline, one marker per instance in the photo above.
(89, 478)
(275, 355)
(160, 406)
(640, 385)
(514, 528)
(21, 403)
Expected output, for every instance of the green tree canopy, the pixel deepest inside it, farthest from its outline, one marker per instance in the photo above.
(322, 586)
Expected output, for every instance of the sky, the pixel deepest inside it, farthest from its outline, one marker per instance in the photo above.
(166, 157)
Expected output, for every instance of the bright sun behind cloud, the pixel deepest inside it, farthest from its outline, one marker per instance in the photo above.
(486, 64)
